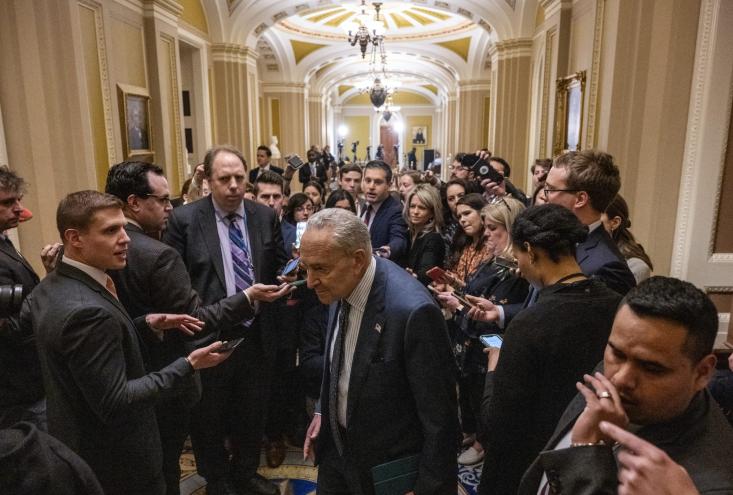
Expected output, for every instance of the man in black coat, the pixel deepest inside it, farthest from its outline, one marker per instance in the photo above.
(100, 397)
(21, 385)
(388, 388)
(313, 170)
(228, 243)
(656, 367)
(264, 155)
(155, 280)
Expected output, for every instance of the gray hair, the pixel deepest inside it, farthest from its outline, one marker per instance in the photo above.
(349, 233)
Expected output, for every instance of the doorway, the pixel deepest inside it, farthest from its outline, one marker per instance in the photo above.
(390, 141)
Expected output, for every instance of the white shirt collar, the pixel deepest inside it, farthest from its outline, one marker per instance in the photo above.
(594, 225)
(221, 214)
(98, 275)
(358, 297)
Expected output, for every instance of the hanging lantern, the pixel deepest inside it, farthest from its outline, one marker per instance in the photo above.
(387, 115)
(378, 93)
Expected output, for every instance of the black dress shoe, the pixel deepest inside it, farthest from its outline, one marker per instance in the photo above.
(221, 487)
(258, 485)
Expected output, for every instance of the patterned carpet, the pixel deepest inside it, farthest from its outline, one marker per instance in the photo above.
(296, 477)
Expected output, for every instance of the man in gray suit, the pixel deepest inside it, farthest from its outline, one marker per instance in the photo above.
(155, 280)
(100, 397)
(656, 368)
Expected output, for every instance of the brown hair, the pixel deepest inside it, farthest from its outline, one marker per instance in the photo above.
(10, 181)
(211, 155)
(594, 172)
(625, 240)
(77, 210)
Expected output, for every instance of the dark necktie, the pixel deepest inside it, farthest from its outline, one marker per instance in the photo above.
(333, 385)
(368, 215)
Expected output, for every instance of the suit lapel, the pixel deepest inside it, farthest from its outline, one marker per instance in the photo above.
(72, 272)
(255, 238)
(370, 331)
(581, 251)
(10, 251)
(207, 222)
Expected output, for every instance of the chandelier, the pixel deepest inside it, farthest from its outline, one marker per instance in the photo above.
(389, 107)
(366, 31)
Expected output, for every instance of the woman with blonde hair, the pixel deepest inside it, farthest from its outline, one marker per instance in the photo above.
(423, 212)
(497, 281)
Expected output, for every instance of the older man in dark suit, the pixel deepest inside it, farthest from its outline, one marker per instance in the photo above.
(227, 244)
(155, 280)
(21, 385)
(656, 367)
(382, 213)
(100, 397)
(388, 390)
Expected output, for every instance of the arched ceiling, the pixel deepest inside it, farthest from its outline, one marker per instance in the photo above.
(427, 42)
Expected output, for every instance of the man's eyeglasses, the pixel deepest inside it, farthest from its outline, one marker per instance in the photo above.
(164, 200)
(546, 191)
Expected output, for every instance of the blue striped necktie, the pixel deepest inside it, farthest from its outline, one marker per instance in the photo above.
(243, 271)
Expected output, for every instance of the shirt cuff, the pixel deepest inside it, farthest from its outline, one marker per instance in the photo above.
(500, 322)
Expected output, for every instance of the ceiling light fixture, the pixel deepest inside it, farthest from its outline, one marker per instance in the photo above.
(367, 30)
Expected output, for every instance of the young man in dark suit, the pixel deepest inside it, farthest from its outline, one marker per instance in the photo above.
(228, 243)
(313, 170)
(155, 280)
(100, 397)
(21, 385)
(656, 368)
(263, 156)
(388, 388)
(382, 213)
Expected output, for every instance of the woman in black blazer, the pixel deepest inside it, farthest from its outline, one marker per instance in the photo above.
(547, 347)
(423, 213)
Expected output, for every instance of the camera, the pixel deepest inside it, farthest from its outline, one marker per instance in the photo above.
(481, 169)
(11, 299)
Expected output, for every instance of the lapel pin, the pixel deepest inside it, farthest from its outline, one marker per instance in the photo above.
(378, 328)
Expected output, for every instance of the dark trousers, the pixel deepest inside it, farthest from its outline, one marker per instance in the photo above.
(470, 394)
(286, 405)
(174, 420)
(233, 404)
(339, 475)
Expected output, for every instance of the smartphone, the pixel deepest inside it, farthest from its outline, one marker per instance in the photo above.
(291, 266)
(437, 274)
(299, 230)
(228, 345)
(481, 168)
(298, 283)
(295, 162)
(491, 340)
(460, 298)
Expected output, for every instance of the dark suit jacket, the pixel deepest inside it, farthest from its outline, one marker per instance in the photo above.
(304, 173)
(155, 280)
(32, 462)
(192, 232)
(402, 396)
(599, 257)
(100, 399)
(546, 349)
(254, 171)
(700, 440)
(427, 251)
(389, 228)
(20, 372)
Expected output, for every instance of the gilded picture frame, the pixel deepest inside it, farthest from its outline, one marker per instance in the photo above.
(135, 124)
(569, 110)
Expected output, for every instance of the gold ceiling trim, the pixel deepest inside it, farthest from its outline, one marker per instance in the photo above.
(331, 12)
(316, 10)
(337, 21)
(460, 47)
(399, 20)
(344, 88)
(440, 15)
(421, 19)
(312, 33)
(302, 49)
(432, 88)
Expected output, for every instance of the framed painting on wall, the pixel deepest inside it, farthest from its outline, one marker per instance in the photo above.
(569, 107)
(418, 135)
(137, 135)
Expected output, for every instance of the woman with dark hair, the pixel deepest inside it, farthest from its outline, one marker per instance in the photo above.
(469, 246)
(617, 223)
(547, 347)
(497, 282)
(314, 190)
(341, 198)
(423, 213)
(299, 209)
(454, 190)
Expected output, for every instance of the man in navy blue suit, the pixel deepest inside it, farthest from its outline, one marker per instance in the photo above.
(388, 389)
(382, 213)
(585, 182)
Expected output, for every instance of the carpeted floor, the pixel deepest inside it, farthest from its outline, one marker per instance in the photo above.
(296, 477)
